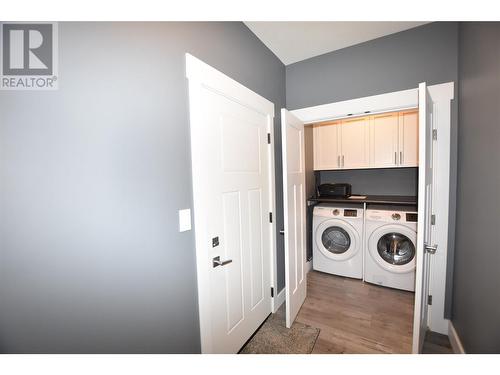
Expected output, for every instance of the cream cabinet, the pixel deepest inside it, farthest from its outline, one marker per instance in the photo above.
(408, 139)
(354, 143)
(326, 145)
(385, 140)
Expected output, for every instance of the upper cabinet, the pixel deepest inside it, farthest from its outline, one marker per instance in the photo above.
(354, 143)
(385, 140)
(326, 145)
(408, 139)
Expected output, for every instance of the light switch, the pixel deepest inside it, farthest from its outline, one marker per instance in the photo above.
(184, 220)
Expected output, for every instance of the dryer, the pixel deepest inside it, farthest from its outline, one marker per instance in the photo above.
(338, 240)
(390, 248)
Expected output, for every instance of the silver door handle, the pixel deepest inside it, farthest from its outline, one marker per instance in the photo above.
(216, 262)
(342, 161)
(282, 232)
(400, 157)
(338, 161)
(395, 158)
(431, 249)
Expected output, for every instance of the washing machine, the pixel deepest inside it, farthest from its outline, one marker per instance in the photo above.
(338, 240)
(390, 248)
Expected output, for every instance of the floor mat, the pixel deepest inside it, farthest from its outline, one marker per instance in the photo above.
(274, 338)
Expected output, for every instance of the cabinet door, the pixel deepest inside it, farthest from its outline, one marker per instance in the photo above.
(326, 146)
(384, 140)
(354, 143)
(408, 139)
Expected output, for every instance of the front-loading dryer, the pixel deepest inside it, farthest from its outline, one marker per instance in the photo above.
(391, 237)
(338, 240)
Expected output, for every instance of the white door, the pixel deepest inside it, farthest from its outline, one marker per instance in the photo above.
(294, 204)
(424, 238)
(231, 166)
(326, 146)
(408, 139)
(354, 143)
(384, 140)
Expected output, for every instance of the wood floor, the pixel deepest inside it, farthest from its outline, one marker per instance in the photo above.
(357, 317)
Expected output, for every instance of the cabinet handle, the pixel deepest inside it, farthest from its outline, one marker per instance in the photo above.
(400, 157)
(342, 161)
(395, 158)
(338, 161)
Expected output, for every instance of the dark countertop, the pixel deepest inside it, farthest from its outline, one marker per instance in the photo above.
(374, 199)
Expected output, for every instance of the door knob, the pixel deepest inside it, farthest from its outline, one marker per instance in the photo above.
(216, 262)
(431, 249)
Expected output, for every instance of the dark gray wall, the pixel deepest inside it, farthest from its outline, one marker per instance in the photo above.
(396, 62)
(388, 181)
(476, 299)
(91, 178)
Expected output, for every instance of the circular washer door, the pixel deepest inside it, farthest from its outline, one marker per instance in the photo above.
(337, 239)
(393, 248)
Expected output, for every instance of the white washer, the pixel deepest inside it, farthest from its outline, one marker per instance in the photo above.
(338, 240)
(391, 238)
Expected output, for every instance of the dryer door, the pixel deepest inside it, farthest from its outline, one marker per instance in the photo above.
(337, 239)
(393, 248)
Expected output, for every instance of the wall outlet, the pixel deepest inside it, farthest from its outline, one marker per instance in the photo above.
(184, 220)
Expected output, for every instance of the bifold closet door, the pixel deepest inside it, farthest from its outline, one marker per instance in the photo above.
(294, 203)
(425, 247)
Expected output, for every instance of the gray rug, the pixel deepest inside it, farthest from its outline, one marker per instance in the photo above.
(274, 338)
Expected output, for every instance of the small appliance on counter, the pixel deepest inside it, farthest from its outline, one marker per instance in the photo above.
(339, 190)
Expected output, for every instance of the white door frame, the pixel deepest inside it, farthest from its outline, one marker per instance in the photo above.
(202, 76)
(442, 95)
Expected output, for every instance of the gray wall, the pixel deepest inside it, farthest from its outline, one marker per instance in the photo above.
(388, 181)
(476, 299)
(396, 62)
(91, 178)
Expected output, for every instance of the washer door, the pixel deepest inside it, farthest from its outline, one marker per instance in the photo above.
(337, 239)
(392, 247)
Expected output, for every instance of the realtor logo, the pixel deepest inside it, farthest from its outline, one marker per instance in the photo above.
(29, 56)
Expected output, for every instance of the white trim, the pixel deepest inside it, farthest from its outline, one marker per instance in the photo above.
(393, 101)
(279, 300)
(441, 95)
(455, 341)
(202, 76)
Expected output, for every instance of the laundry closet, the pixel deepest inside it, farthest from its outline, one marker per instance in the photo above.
(361, 184)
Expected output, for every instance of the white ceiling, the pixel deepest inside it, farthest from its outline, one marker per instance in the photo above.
(296, 41)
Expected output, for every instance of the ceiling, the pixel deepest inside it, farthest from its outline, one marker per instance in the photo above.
(296, 41)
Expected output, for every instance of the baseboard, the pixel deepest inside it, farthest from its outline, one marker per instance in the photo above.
(278, 300)
(455, 342)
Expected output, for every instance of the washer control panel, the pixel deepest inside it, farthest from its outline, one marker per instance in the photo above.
(396, 216)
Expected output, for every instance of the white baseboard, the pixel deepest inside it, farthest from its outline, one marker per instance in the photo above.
(455, 342)
(278, 300)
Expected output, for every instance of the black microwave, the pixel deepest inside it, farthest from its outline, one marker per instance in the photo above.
(339, 190)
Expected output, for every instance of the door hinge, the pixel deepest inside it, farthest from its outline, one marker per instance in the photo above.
(269, 138)
(434, 134)
(433, 219)
(429, 300)
(272, 292)
(270, 217)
